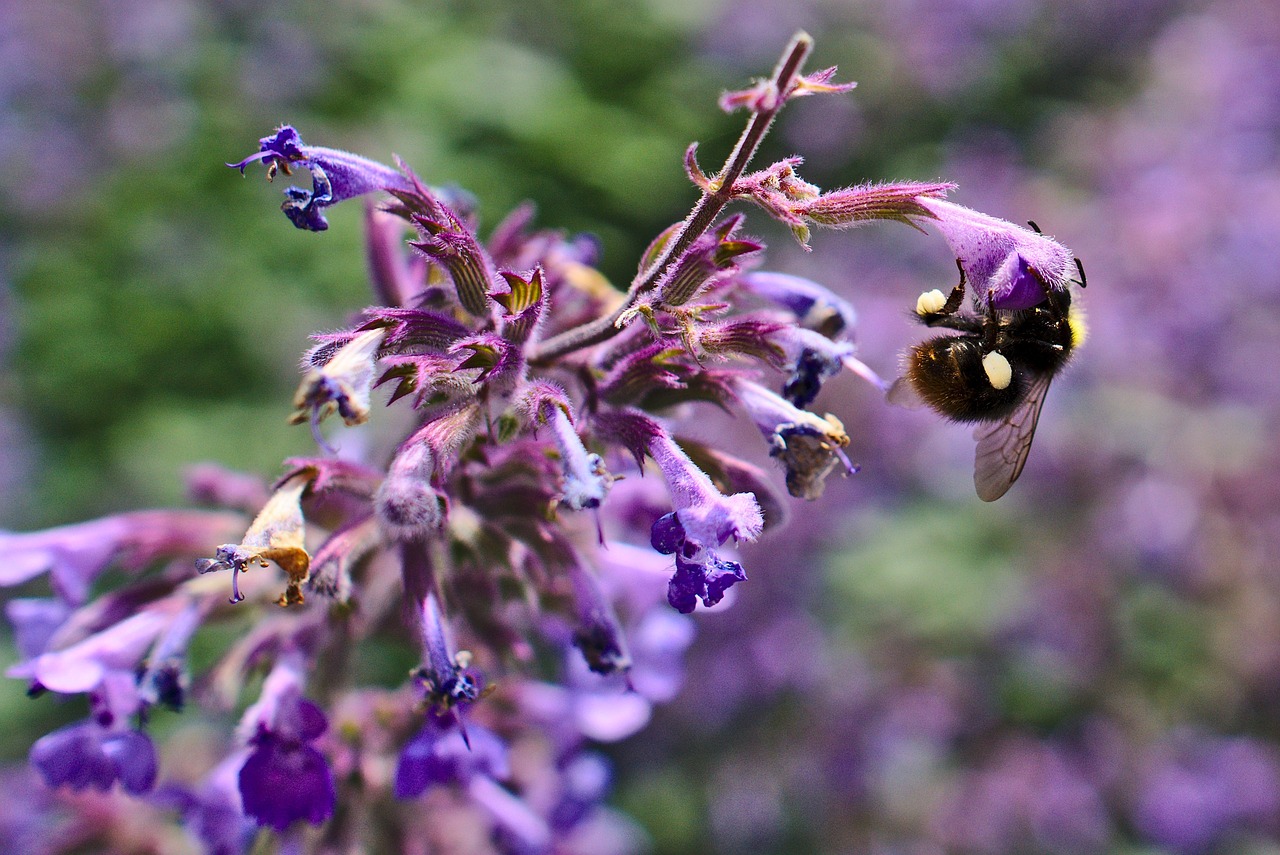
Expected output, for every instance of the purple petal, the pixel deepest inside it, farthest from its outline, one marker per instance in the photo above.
(720, 576)
(283, 781)
(436, 756)
(686, 586)
(34, 623)
(310, 722)
(134, 758)
(73, 757)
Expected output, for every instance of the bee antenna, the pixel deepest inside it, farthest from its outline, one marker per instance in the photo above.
(1080, 267)
(1034, 227)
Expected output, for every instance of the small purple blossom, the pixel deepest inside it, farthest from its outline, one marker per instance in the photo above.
(88, 756)
(702, 522)
(74, 556)
(810, 447)
(343, 384)
(586, 480)
(1007, 265)
(285, 778)
(444, 674)
(598, 634)
(440, 754)
(335, 176)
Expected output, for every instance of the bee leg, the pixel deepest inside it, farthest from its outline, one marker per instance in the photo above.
(956, 298)
(944, 315)
(1080, 267)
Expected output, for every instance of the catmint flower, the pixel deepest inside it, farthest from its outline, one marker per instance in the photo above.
(277, 534)
(165, 679)
(586, 480)
(702, 521)
(75, 555)
(85, 665)
(343, 384)
(814, 306)
(598, 634)
(444, 675)
(335, 176)
(87, 755)
(1005, 264)
(440, 754)
(812, 358)
(809, 446)
(285, 778)
(408, 506)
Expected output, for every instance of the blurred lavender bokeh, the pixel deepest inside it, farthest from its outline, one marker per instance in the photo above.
(1092, 664)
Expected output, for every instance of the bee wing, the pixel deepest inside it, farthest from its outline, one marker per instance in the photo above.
(1003, 446)
(903, 394)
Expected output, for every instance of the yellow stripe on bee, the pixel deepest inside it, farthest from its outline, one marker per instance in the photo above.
(1079, 327)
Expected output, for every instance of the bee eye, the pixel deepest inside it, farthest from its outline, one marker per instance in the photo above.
(998, 370)
(930, 302)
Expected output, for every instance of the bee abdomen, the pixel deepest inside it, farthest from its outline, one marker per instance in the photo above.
(948, 374)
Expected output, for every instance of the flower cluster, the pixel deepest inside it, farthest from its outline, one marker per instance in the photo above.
(512, 525)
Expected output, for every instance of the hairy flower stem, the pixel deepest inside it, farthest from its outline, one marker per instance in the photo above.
(702, 216)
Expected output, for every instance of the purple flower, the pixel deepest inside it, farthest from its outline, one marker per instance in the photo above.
(809, 446)
(1007, 264)
(276, 534)
(814, 306)
(87, 755)
(586, 480)
(335, 176)
(85, 665)
(343, 384)
(441, 754)
(165, 679)
(408, 507)
(444, 674)
(703, 521)
(598, 634)
(75, 555)
(285, 778)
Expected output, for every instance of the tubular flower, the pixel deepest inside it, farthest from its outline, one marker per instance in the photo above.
(1006, 265)
(342, 384)
(277, 534)
(703, 520)
(285, 778)
(586, 480)
(335, 176)
(809, 447)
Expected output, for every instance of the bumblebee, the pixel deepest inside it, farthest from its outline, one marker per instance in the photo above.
(995, 373)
